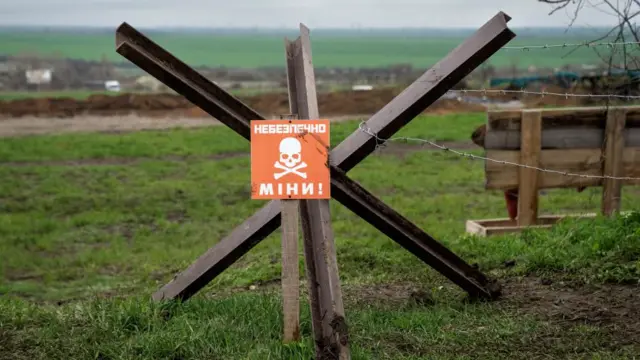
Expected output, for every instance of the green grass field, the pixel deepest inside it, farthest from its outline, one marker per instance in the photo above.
(74, 94)
(92, 224)
(250, 50)
(83, 94)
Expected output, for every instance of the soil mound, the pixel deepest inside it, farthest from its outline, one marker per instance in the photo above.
(167, 105)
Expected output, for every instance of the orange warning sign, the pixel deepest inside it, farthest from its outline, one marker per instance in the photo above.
(289, 159)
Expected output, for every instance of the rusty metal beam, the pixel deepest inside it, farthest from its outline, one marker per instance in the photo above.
(423, 92)
(388, 221)
(327, 308)
(178, 76)
(488, 39)
(354, 197)
(222, 255)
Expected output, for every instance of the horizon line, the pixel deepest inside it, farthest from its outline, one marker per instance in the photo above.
(253, 28)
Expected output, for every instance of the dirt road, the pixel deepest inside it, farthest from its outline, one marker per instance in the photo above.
(31, 125)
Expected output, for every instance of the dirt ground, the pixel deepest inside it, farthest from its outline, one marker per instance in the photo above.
(35, 125)
(131, 112)
(603, 305)
(614, 309)
(169, 105)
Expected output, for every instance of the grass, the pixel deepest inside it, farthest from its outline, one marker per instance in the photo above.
(263, 50)
(213, 330)
(83, 94)
(74, 94)
(196, 142)
(84, 244)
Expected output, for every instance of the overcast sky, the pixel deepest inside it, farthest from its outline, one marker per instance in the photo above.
(287, 13)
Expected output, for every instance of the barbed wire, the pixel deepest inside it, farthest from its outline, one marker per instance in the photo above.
(546, 93)
(589, 44)
(380, 142)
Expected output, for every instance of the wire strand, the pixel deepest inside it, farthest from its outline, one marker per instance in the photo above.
(589, 44)
(381, 142)
(546, 93)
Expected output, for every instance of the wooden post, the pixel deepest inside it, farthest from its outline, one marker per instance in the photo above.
(530, 145)
(290, 277)
(613, 152)
(290, 271)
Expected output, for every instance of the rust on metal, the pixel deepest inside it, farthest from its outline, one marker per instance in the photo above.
(315, 215)
(423, 92)
(409, 236)
(184, 80)
(386, 122)
(226, 252)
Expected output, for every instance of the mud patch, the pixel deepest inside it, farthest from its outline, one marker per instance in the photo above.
(573, 321)
(613, 307)
(555, 300)
(18, 275)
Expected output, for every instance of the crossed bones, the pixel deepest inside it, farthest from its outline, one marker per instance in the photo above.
(287, 170)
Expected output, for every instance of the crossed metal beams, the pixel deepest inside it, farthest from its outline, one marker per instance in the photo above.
(411, 102)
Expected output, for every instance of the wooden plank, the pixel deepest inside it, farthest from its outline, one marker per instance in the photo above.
(490, 227)
(589, 117)
(501, 176)
(290, 271)
(528, 178)
(290, 276)
(569, 138)
(328, 316)
(501, 230)
(613, 162)
(472, 227)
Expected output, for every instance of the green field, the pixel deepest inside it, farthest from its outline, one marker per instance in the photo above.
(74, 94)
(92, 224)
(83, 94)
(329, 50)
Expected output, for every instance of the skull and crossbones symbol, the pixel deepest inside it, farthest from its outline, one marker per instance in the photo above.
(290, 158)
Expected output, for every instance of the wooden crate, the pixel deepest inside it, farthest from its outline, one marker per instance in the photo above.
(489, 227)
(559, 148)
(590, 143)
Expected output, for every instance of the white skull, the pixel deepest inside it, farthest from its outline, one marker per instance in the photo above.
(290, 149)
